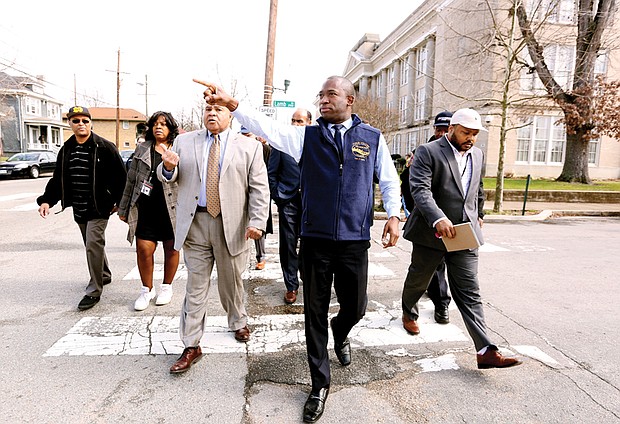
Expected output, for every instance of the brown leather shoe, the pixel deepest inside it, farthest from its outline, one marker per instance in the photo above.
(242, 334)
(290, 297)
(493, 359)
(260, 265)
(189, 356)
(410, 325)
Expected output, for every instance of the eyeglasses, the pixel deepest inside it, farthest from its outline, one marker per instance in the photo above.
(83, 121)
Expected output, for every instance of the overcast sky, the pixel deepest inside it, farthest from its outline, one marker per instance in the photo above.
(173, 42)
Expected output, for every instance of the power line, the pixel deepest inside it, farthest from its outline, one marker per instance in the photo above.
(12, 65)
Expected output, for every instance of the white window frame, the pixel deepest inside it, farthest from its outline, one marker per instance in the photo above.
(404, 71)
(390, 86)
(420, 70)
(542, 141)
(412, 139)
(403, 109)
(56, 137)
(601, 63)
(33, 106)
(396, 147)
(560, 60)
(419, 104)
(552, 11)
(53, 111)
(594, 151)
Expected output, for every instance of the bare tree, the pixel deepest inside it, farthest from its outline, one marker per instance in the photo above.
(496, 44)
(578, 103)
(373, 112)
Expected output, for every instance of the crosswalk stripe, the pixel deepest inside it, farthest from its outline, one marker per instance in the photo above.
(159, 335)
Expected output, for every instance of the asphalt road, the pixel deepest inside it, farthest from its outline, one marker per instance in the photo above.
(550, 288)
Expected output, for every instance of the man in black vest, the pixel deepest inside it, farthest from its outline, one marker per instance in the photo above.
(338, 158)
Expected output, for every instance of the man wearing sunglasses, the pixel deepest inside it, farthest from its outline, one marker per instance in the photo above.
(89, 177)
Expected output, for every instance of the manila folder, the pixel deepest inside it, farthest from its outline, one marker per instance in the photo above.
(465, 238)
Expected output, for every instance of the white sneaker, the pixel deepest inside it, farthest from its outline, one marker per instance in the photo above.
(144, 300)
(165, 295)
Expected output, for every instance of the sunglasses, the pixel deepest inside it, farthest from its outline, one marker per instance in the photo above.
(83, 121)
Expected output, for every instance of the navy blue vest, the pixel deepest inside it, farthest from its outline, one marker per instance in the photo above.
(337, 195)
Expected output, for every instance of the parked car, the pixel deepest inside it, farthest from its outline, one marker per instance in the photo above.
(126, 155)
(31, 164)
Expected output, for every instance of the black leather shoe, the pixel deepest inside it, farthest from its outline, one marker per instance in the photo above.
(442, 316)
(343, 352)
(313, 409)
(87, 302)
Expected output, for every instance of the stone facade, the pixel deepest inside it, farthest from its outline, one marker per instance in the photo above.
(445, 56)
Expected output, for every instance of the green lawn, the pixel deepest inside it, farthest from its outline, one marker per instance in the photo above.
(519, 184)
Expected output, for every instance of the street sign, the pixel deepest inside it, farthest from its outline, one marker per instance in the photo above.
(283, 103)
(268, 110)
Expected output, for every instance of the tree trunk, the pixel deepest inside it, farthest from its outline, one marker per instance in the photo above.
(575, 168)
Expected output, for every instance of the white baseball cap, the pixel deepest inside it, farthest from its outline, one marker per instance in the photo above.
(467, 118)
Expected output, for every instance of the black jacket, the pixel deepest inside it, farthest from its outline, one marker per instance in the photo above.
(109, 176)
(405, 189)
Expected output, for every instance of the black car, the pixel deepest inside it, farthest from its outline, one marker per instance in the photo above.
(30, 164)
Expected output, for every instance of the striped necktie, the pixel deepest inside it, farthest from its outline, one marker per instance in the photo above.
(213, 178)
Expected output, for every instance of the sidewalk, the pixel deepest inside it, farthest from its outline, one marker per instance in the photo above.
(544, 210)
(539, 211)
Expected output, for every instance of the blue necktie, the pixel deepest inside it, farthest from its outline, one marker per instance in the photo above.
(338, 137)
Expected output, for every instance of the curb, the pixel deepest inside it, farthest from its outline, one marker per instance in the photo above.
(541, 216)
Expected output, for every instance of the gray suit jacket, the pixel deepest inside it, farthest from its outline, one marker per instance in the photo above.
(244, 189)
(437, 191)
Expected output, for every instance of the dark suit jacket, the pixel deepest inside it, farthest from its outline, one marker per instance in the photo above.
(283, 177)
(437, 191)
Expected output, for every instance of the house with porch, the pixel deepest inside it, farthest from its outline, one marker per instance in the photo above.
(29, 118)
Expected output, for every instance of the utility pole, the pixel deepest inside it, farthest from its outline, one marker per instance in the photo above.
(271, 45)
(146, 94)
(118, 98)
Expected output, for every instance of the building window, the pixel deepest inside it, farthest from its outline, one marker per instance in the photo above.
(396, 147)
(125, 125)
(418, 104)
(402, 109)
(542, 141)
(56, 137)
(412, 140)
(594, 151)
(53, 111)
(390, 86)
(561, 63)
(390, 107)
(600, 65)
(420, 68)
(404, 71)
(33, 106)
(378, 85)
(552, 11)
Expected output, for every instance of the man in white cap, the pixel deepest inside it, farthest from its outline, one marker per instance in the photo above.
(446, 179)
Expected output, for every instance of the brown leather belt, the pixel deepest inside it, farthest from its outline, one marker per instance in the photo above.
(201, 208)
